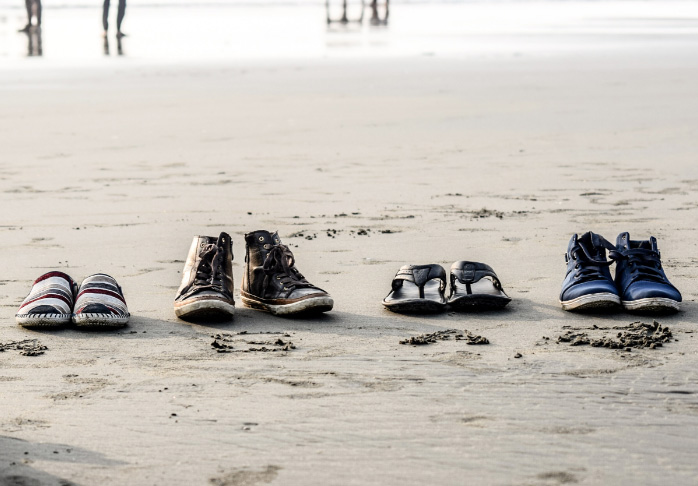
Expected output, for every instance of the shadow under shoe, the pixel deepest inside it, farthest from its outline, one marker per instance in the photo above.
(271, 281)
(207, 289)
(588, 285)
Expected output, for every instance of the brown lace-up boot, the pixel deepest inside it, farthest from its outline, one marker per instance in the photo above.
(271, 281)
(207, 280)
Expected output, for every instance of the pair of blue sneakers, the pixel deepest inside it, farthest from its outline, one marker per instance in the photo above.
(640, 284)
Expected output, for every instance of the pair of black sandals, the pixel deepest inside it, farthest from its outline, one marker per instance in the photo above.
(421, 289)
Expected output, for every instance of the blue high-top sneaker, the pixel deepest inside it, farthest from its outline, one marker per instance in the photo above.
(588, 284)
(640, 278)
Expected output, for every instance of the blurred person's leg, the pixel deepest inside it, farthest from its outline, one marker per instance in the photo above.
(105, 16)
(120, 17)
(38, 12)
(29, 4)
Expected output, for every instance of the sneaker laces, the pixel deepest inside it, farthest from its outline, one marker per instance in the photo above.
(210, 273)
(280, 264)
(588, 267)
(645, 264)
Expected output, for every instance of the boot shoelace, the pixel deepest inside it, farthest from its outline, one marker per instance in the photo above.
(280, 264)
(588, 267)
(644, 264)
(209, 272)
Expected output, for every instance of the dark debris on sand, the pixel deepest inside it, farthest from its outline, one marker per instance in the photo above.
(27, 347)
(223, 343)
(334, 232)
(446, 335)
(635, 335)
(486, 213)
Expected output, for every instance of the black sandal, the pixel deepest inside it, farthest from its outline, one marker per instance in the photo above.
(475, 286)
(425, 292)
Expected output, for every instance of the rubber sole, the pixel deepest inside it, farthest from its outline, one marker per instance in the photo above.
(43, 320)
(205, 309)
(603, 300)
(656, 305)
(415, 306)
(478, 302)
(312, 305)
(99, 321)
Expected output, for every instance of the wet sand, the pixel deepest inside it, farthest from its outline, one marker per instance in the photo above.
(371, 164)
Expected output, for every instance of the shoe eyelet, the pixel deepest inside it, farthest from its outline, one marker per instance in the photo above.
(285, 288)
(625, 236)
(276, 240)
(278, 278)
(577, 266)
(261, 238)
(267, 246)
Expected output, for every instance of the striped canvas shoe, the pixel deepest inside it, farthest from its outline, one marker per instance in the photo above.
(49, 303)
(100, 303)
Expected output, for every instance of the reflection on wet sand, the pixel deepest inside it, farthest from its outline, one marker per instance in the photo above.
(119, 48)
(34, 45)
(344, 19)
(376, 18)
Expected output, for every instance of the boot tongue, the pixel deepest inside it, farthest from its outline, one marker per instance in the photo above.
(204, 241)
(207, 240)
(626, 243)
(593, 244)
(275, 238)
(222, 245)
(653, 242)
(590, 240)
(650, 244)
(596, 240)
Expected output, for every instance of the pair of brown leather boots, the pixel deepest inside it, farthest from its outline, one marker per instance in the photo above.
(270, 281)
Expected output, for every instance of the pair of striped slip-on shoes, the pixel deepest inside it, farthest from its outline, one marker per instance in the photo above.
(55, 300)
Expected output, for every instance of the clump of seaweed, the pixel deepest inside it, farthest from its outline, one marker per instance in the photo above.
(636, 335)
(26, 347)
(445, 335)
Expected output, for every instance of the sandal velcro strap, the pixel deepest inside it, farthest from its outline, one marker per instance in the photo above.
(471, 272)
(420, 275)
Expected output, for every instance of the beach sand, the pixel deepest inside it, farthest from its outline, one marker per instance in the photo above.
(496, 156)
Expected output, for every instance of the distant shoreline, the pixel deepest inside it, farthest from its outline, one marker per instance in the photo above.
(18, 5)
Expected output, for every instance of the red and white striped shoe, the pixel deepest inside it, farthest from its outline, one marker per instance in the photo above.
(49, 303)
(100, 303)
